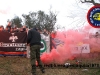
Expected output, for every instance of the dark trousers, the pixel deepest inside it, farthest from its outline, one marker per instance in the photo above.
(35, 55)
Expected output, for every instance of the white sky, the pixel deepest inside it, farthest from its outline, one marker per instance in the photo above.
(64, 8)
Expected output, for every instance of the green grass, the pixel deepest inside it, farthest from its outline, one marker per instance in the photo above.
(21, 66)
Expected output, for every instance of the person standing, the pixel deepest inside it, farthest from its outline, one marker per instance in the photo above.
(9, 27)
(34, 39)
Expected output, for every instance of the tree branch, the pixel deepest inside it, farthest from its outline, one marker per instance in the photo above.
(90, 1)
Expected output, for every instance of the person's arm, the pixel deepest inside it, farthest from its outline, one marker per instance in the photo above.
(29, 37)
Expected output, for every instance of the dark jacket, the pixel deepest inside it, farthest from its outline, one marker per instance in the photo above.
(33, 37)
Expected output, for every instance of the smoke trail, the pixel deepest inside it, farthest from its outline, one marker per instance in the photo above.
(63, 40)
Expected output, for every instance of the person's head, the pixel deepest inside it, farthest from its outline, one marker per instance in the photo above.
(9, 26)
(35, 28)
(1, 28)
(54, 32)
(21, 29)
(97, 33)
(6, 28)
(9, 23)
(24, 28)
(15, 27)
(40, 31)
(12, 29)
(44, 30)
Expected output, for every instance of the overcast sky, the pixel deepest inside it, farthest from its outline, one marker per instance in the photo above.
(70, 12)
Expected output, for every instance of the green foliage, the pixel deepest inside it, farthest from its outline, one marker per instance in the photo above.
(41, 20)
(16, 21)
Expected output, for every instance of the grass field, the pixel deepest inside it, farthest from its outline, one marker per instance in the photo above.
(21, 66)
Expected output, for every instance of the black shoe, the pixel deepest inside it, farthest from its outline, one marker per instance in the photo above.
(43, 71)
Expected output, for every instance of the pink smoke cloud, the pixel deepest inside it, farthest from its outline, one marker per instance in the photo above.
(62, 53)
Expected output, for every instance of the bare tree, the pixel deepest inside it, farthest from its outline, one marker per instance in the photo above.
(90, 1)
